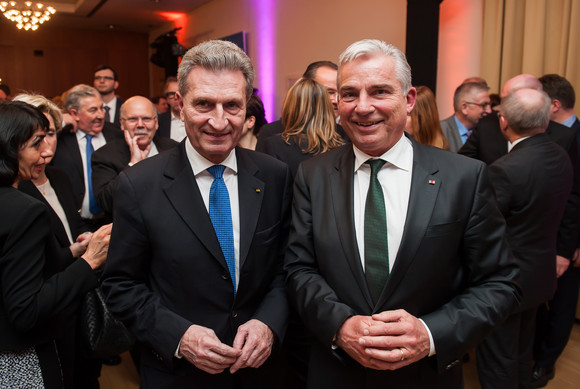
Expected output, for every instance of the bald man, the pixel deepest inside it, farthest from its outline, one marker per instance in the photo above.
(139, 124)
(532, 184)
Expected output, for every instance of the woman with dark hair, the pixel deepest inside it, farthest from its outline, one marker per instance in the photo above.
(34, 290)
(255, 119)
(423, 122)
(309, 125)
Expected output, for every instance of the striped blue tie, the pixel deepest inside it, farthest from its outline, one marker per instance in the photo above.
(221, 217)
(93, 207)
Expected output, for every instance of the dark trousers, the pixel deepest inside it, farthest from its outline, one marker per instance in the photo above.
(504, 357)
(556, 319)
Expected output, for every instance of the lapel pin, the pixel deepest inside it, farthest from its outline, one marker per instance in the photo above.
(431, 182)
(258, 190)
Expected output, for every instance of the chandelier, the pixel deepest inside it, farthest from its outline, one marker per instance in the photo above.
(28, 16)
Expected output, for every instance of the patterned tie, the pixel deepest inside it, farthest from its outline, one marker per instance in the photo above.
(221, 218)
(93, 207)
(107, 114)
(375, 238)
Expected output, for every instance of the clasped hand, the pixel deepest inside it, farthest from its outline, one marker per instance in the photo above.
(251, 348)
(385, 341)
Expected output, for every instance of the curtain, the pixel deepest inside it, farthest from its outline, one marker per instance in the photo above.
(530, 36)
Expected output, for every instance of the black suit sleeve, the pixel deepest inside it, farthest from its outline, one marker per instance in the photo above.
(570, 224)
(29, 299)
(471, 146)
(104, 174)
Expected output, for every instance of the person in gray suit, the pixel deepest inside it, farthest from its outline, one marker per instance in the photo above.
(471, 102)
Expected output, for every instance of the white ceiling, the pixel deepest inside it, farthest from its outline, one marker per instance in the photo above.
(125, 15)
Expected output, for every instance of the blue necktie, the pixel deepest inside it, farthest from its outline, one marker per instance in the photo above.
(221, 217)
(93, 207)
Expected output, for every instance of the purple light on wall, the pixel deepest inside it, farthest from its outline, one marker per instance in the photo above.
(265, 12)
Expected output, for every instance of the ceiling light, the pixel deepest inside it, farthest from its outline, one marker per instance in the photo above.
(27, 15)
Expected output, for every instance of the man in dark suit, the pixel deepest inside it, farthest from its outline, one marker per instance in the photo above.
(397, 287)
(471, 102)
(139, 123)
(170, 123)
(555, 320)
(106, 82)
(532, 184)
(85, 105)
(195, 264)
(323, 72)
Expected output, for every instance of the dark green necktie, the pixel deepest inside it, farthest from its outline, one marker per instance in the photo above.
(376, 245)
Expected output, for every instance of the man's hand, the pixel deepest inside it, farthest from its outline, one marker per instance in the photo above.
(348, 338)
(395, 339)
(79, 247)
(201, 347)
(137, 155)
(561, 265)
(254, 340)
(576, 259)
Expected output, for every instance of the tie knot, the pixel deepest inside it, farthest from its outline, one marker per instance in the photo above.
(107, 108)
(216, 171)
(89, 137)
(376, 165)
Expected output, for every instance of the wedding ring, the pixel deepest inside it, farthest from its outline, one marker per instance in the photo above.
(402, 354)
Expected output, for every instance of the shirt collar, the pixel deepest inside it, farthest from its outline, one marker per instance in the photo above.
(200, 164)
(570, 121)
(400, 155)
(81, 135)
(462, 129)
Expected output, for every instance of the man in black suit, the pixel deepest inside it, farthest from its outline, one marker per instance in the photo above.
(555, 320)
(170, 123)
(85, 105)
(139, 123)
(323, 72)
(532, 184)
(106, 82)
(195, 263)
(397, 287)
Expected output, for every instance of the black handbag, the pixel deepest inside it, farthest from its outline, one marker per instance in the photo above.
(102, 335)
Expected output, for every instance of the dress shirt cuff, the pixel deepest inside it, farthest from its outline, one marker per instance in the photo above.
(431, 343)
(179, 356)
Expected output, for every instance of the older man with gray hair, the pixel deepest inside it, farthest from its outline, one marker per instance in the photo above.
(532, 185)
(195, 263)
(397, 260)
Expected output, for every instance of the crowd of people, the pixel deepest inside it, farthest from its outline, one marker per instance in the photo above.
(358, 241)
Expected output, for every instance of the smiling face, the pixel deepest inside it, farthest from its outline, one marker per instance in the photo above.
(33, 156)
(90, 116)
(372, 107)
(214, 110)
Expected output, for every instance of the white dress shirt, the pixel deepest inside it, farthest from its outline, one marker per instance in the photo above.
(50, 195)
(98, 141)
(395, 179)
(177, 128)
(204, 179)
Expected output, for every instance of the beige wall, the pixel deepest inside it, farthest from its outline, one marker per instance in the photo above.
(305, 30)
(460, 43)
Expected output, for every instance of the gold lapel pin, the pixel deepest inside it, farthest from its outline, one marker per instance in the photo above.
(258, 190)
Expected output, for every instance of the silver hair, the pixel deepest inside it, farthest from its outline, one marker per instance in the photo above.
(374, 46)
(526, 113)
(74, 96)
(44, 105)
(465, 89)
(216, 55)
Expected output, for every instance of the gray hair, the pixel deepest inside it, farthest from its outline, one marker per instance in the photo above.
(466, 89)
(44, 105)
(74, 96)
(526, 110)
(216, 55)
(374, 46)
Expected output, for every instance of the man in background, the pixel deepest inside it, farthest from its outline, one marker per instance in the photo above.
(106, 82)
(170, 123)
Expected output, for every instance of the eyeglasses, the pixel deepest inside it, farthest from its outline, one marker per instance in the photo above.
(170, 95)
(104, 78)
(145, 120)
(482, 105)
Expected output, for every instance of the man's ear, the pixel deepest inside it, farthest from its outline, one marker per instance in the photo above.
(74, 113)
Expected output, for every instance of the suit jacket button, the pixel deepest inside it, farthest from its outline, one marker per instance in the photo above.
(234, 314)
(225, 276)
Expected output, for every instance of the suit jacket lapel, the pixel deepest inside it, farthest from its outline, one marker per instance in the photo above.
(343, 177)
(250, 193)
(425, 186)
(182, 191)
